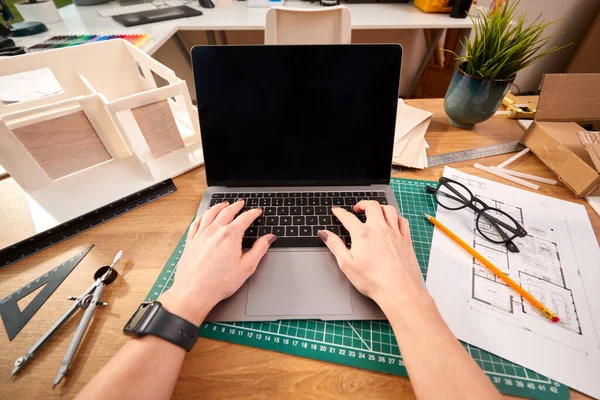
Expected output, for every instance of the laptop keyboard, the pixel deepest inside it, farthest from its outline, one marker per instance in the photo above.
(296, 217)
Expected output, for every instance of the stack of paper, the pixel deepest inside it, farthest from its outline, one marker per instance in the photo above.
(409, 142)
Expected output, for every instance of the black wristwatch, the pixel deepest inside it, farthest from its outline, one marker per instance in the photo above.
(152, 319)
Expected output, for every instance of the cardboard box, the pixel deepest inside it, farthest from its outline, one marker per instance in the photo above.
(588, 52)
(566, 99)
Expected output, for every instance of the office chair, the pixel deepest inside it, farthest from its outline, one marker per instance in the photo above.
(329, 25)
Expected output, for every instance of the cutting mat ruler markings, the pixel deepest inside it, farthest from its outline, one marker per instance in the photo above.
(366, 344)
(74, 227)
(473, 154)
(14, 319)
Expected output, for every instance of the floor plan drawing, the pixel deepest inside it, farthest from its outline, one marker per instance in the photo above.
(537, 268)
(557, 261)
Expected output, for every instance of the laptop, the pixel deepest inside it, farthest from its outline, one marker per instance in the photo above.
(295, 130)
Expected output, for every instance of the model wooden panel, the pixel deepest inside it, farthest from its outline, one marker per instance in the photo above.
(63, 145)
(158, 127)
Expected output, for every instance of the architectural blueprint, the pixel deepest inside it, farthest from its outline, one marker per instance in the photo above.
(537, 268)
(558, 263)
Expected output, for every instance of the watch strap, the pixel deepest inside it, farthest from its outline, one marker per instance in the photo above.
(172, 328)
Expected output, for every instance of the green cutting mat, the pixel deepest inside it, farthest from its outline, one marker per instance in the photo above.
(367, 344)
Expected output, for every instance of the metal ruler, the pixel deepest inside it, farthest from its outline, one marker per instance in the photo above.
(67, 230)
(14, 319)
(473, 154)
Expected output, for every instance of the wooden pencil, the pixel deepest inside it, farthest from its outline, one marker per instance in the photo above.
(505, 278)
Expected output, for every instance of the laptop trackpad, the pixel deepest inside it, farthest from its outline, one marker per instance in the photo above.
(298, 283)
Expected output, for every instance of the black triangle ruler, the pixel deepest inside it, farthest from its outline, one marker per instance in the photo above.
(64, 231)
(14, 319)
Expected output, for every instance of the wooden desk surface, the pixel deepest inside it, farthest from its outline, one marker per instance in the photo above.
(213, 369)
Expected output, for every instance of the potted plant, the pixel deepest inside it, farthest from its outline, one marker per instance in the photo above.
(501, 46)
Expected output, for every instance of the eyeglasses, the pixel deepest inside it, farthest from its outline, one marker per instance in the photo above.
(492, 223)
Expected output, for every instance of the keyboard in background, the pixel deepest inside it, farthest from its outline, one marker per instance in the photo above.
(129, 9)
(296, 217)
(158, 15)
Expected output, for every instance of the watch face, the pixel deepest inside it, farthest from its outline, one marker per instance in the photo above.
(134, 322)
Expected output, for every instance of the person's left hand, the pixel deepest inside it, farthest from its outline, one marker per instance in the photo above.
(213, 266)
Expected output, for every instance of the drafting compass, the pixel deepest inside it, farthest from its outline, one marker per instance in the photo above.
(88, 300)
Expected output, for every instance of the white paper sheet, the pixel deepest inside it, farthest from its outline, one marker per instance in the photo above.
(525, 123)
(412, 139)
(410, 150)
(558, 263)
(28, 85)
(409, 141)
(407, 118)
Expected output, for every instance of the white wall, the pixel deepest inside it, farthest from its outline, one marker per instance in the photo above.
(576, 15)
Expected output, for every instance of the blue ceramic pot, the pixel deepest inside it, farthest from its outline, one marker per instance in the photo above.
(471, 100)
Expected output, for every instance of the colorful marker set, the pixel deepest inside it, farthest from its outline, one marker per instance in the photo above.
(57, 42)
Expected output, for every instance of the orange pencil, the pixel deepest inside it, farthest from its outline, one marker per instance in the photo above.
(505, 278)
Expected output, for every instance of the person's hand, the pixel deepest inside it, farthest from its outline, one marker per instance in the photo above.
(381, 263)
(212, 266)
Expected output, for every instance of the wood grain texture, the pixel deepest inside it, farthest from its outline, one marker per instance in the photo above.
(213, 370)
(63, 145)
(158, 127)
(14, 209)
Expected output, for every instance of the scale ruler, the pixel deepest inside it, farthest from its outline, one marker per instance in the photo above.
(75, 226)
(473, 154)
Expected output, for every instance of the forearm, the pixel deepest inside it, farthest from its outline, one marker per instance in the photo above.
(144, 368)
(429, 349)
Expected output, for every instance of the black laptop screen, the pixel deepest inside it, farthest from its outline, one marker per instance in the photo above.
(297, 115)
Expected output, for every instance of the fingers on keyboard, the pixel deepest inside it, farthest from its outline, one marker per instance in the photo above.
(296, 217)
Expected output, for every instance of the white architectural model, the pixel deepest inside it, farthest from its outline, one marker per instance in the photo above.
(108, 120)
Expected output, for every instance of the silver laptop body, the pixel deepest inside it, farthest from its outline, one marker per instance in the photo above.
(281, 125)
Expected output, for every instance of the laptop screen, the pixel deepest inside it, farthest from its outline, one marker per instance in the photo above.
(297, 115)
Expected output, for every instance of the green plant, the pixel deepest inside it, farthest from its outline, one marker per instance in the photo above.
(503, 44)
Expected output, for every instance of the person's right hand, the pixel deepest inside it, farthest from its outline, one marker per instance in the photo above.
(213, 265)
(381, 263)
